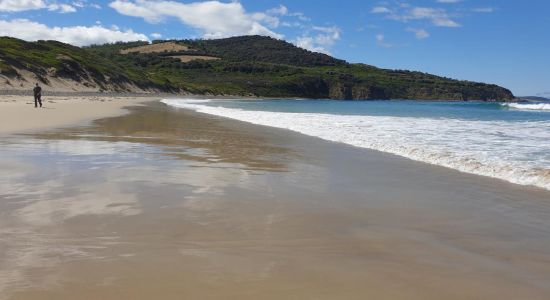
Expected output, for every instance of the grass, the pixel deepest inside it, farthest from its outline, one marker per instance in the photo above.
(248, 66)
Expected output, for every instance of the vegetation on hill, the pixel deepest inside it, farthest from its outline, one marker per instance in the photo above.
(248, 65)
(47, 59)
(258, 49)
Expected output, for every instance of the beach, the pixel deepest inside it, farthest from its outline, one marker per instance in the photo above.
(128, 198)
(17, 113)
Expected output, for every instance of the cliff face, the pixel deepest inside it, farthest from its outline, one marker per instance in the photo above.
(359, 90)
(250, 65)
(342, 91)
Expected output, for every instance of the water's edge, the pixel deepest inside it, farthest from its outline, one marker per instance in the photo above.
(380, 133)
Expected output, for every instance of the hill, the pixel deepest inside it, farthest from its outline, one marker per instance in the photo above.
(65, 68)
(260, 49)
(247, 65)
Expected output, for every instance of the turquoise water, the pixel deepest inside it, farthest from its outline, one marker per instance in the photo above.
(505, 141)
(426, 109)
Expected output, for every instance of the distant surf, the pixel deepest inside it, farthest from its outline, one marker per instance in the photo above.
(474, 138)
(528, 106)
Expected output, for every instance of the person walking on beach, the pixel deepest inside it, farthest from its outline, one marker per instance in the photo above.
(37, 95)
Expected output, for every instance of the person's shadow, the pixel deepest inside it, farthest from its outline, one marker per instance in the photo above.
(43, 106)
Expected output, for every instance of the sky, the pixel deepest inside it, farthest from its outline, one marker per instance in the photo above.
(506, 42)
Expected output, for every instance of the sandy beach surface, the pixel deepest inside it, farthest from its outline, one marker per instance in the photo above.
(17, 112)
(164, 203)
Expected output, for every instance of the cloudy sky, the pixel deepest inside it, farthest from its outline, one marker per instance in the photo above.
(497, 41)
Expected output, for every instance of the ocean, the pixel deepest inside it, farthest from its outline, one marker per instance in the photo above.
(505, 141)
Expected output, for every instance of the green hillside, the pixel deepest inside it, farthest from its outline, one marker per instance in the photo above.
(259, 49)
(248, 65)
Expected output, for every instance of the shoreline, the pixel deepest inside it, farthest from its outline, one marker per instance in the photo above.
(199, 206)
(534, 179)
(18, 116)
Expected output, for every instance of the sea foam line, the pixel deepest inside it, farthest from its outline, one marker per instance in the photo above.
(497, 149)
(528, 106)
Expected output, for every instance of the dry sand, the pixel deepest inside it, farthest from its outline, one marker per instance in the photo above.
(188, 58)
(156, 48)
(17, 113)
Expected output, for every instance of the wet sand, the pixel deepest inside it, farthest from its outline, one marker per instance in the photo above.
(170, 204)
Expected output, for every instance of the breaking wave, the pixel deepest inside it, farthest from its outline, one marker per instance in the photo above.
(528, 106)
(513, 151)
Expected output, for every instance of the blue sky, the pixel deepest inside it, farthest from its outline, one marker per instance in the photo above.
(506, 42)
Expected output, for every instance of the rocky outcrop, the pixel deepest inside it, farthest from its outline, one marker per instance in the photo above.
(341, 91)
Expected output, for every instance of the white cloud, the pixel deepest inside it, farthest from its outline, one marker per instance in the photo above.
(406, 13)
(21, 5)
(75, 35)
(24, 5)
(327, 35)
(62, 8)
(448, 1)
(438, 17)
(214, 19)
(316, 38)
(85, 3)
(380, 10)
(322, 39)
(155, 35)
(381, 41)
(281, 10)
(284, 12)
(269, 20)
(300, 16)
(292, 24)
(308, 42)
(419, 33)
(79, 3)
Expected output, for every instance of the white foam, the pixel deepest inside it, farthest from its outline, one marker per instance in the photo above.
(514, 151)
(528, 106)
(189, 100)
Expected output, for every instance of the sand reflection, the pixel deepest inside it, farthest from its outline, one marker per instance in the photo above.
(71, 194)
(182, 134)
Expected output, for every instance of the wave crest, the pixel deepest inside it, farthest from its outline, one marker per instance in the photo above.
(528, 106)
